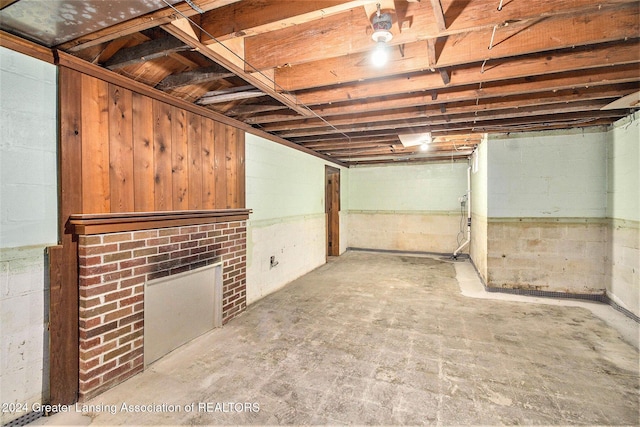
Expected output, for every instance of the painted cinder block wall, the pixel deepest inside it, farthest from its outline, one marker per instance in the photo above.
(285, 191)
(562, 211)
(410, 207)
(546, 210)
(479, 176)
(623, 213)
(28, 223)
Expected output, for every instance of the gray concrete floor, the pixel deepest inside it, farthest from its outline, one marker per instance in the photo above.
(387, 339)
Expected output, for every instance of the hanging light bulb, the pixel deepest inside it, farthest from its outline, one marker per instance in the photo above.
(380, 56)
(381, 24)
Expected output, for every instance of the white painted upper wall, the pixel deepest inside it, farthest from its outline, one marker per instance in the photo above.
(285, 188)
(427, 187)
(548, 174)
(623, 164)
(28, 144)
(282, 182)
(479, 176)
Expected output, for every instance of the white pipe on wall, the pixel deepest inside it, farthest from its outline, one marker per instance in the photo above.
(466, 242)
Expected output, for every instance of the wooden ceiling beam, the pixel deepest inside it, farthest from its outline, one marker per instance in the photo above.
(540, 35)
(141, 23)
(587, 108)
(252, 109)
(439, 15)
(144, 52)
(570, 80)
(229, 94)
(475, 14)
(197, 76)
(254, 17)
(350, 69)
(544, 122)
(491, 104)
(386, 133)
(181, 30)
(345, 34)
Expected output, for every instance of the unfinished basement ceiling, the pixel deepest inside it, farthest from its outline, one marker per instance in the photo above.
(301, 70)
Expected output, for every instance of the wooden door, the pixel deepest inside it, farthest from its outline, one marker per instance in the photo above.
(332, 209)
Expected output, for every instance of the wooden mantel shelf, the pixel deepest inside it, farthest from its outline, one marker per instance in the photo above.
(87, 224)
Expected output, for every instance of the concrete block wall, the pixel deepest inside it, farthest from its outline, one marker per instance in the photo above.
(411, 207)
(113, 269)
(479, 191)
(24, 304)
(286, 192)
(552, 174)
(623, 211)
(554, 255)
(28, 224)
(546, 209)
(434, 232)
(298, 245)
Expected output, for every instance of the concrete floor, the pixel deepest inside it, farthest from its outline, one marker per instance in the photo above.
(386, 339)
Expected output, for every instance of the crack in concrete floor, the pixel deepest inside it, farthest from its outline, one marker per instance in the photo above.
(388, 339)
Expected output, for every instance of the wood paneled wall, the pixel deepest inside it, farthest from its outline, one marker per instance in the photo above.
(140, 154)
(124, 151)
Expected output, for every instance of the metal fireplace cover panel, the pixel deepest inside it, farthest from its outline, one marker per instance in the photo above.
(179, 308)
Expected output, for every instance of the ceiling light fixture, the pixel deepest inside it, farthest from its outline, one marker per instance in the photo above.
(381, 24)
(423, 139)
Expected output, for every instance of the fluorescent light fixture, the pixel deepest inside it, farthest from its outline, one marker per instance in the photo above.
(413, 139)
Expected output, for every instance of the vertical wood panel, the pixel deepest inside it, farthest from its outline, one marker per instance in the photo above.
(63, 260)
(95, 144)
(179, 162)
(163, 187)
(220, 165)
(143, 169)
(240, 188)
(121, 149)
(231, 163)
(194, 138)
(208, 165)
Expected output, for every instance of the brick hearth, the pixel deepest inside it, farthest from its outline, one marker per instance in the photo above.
(113, 268)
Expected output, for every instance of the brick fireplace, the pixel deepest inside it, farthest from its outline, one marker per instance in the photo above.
(119, 253)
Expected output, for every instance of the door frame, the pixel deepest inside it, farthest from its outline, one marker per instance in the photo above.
(332, 210)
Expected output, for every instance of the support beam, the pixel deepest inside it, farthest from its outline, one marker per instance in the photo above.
(141, 23)
(446, 76)
(342, 34)
(494, 105)
(466, 119)
(431, 82)
(194, 77)
(233, 64)
(439, 14)
(254, 17)
(230, 94)
(146, 51)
